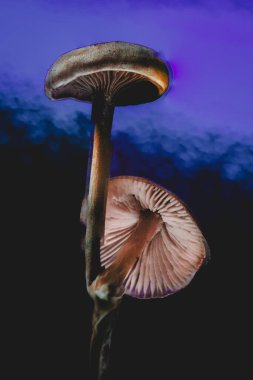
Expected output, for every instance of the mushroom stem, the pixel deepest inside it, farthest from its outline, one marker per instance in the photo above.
(102, 115)
(107, 292)
(100, 346)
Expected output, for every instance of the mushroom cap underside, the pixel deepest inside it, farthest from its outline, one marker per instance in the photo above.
(122, 72)
(171, 257)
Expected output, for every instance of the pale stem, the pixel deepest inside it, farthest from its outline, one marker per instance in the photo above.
(102, 115)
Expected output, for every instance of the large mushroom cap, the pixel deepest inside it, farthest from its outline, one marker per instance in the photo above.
(124, 73)
(173, 254)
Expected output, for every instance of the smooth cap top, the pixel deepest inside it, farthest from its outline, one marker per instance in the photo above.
(122, 72)
(174, 250)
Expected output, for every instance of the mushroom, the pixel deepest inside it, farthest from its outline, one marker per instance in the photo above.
(152, 246)
(107, 75)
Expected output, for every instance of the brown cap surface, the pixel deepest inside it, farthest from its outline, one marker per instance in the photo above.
(172, 255)
(122, 72)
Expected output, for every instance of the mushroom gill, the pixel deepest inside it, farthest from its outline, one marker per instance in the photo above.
(114, 84)
(152, 246)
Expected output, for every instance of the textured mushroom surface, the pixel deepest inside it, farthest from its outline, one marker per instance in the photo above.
(165, 245)
(125, 73)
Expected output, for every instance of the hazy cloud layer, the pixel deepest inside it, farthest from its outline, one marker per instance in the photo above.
(154, 154)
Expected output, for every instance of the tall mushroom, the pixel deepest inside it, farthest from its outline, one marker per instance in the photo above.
(152, 246)
(107, 75)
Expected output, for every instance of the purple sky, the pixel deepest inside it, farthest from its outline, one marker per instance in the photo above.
(209, 49)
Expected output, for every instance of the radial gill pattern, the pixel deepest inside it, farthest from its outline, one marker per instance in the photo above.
(110, 83)
(174, 252)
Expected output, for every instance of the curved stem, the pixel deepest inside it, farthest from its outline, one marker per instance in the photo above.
(102, 115)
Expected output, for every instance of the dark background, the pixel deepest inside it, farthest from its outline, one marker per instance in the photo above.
(200, 332)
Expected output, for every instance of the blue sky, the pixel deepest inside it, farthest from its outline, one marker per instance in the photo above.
(208, 45)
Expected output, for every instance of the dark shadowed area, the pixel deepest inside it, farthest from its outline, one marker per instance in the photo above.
(199, 332)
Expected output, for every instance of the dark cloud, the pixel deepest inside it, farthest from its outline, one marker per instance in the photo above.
(166, 159)
(26, 125)
(188, 155)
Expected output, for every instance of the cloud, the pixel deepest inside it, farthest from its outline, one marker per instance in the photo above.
(184, 157)
(161, 154)
(30, 132)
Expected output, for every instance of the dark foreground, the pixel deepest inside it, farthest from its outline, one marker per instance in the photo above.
(200, 332)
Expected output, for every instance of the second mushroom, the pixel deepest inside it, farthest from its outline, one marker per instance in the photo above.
(152, 248)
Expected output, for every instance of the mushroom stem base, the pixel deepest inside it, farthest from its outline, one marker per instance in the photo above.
(104, 316)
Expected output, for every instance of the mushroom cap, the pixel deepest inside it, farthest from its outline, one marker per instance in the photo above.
(171, 258)
(124, 73)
